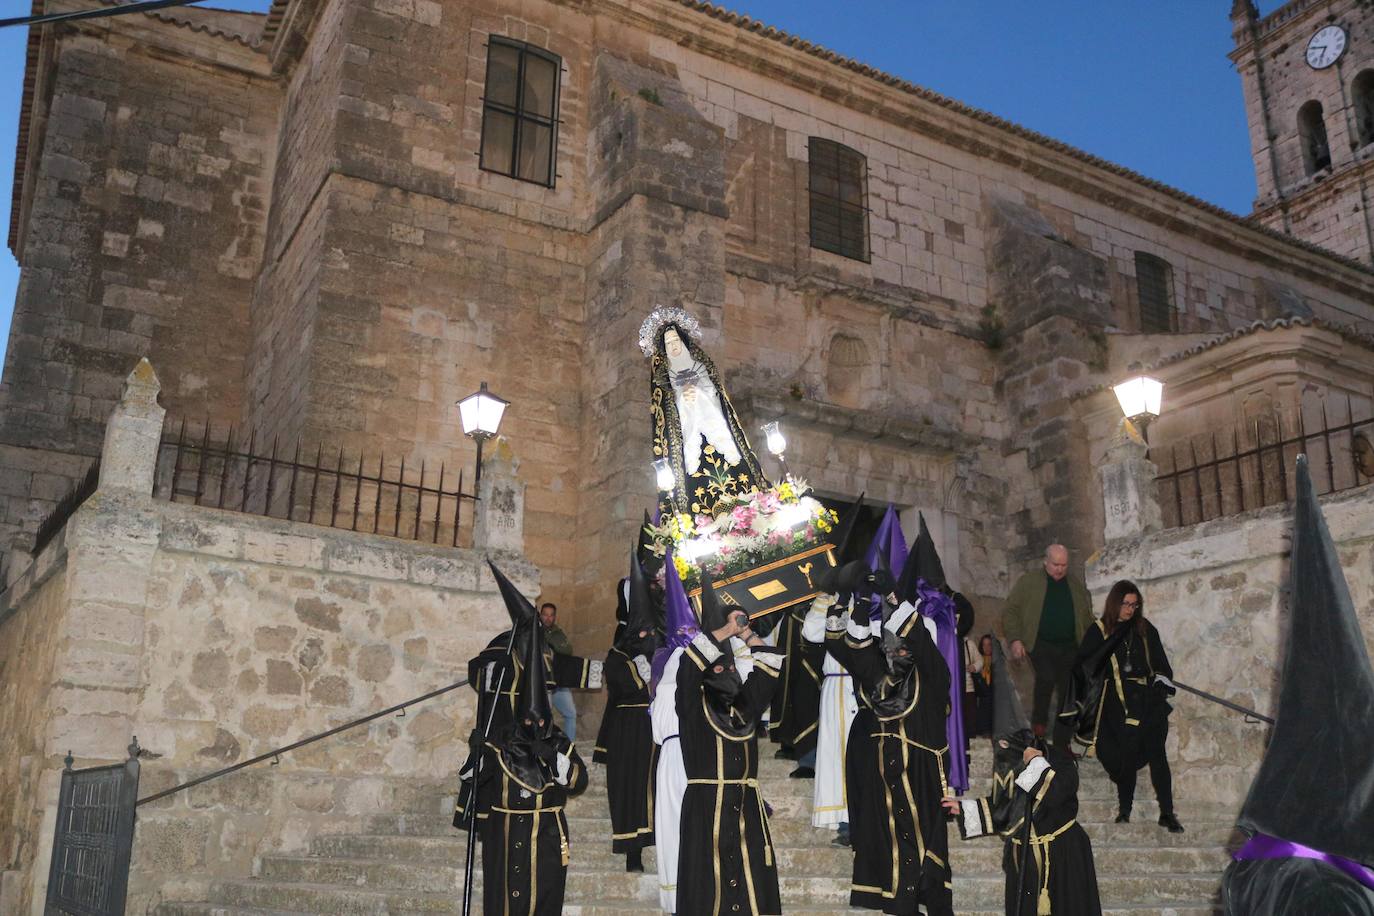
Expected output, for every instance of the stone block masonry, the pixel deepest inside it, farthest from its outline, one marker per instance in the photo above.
(214, 637)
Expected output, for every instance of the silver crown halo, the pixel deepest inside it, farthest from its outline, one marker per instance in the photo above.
(660, 318)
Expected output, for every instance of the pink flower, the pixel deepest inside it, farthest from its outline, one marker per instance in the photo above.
(702, 521)
(768, 502)
(742, 518)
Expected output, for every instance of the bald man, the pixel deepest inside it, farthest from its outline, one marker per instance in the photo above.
(1045, 617)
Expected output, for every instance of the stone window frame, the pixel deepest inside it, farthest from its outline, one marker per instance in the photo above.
(1362, 100)
(522, 117)
(1154, 282)
(1311, 120)
(830, 161)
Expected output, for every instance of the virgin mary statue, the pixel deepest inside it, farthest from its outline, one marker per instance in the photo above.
(695, 426)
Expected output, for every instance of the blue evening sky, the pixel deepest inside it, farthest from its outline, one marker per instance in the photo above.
(1144, 84)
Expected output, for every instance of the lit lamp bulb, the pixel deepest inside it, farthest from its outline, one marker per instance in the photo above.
(777, 444)
(663, 473)
(1140, 400)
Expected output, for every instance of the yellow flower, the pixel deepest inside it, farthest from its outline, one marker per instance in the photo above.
(683, 567)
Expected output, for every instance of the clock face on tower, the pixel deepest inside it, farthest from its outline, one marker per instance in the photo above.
(1325, 47)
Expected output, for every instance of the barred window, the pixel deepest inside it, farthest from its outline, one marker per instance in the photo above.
(1362, 92)
(520, 111)
(839, 192)
(1154, 280)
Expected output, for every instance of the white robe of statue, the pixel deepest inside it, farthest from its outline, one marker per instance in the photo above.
(839, 706)
(670, 779)
(698, 406)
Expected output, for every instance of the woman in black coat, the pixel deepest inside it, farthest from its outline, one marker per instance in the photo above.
(1131, 721)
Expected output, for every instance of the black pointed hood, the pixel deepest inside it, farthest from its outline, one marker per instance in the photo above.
(713, 614)
(519, 608)
(644, 550)
(923, 562)
(1315, 785)
(534, 702)
(642, 614)
(844, 547)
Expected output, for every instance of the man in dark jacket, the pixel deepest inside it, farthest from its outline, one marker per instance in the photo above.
(1045, 617)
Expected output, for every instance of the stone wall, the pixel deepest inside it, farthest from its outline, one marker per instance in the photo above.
(1216, 591)
(141, 236)
(213, 637)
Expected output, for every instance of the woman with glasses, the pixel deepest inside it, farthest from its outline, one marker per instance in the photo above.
(1131, 720)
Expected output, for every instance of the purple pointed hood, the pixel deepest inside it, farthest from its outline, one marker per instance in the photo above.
(891, 544)
(680, 624)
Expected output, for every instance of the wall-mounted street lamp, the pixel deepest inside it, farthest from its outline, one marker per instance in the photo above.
(481, 414)
(1140, 399)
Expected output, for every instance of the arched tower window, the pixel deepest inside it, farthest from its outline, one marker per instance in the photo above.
(1362, 95)
(1316, 153)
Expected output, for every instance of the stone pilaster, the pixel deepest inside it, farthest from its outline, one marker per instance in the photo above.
(129, 457)
(500, 520)
(1128, 486)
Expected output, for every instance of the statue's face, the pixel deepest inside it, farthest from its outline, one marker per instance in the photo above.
(676, 350)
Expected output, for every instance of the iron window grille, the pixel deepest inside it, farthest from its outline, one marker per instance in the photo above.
(1153, 278)
(839, 194)
(520, 111)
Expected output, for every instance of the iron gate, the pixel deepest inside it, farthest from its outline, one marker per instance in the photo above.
(89, 874)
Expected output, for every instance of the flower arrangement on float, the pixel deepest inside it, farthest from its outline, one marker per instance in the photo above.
(753, 530)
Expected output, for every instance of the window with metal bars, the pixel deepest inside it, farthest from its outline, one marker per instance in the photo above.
(520, 111)
(1316, 150)
(1153, 279)
(839, 198)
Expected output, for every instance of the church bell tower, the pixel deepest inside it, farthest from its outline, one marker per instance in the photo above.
(1307, 69)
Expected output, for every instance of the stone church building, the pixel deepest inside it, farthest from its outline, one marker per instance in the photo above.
(324, 226)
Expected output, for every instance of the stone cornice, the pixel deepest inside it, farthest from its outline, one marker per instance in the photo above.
(859, 424)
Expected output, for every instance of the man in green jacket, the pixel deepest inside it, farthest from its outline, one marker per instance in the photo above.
(1046, 615)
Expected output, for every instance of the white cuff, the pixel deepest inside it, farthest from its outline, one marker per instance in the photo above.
(823, 603)
(900, 617)
(643, 667)
(564, 765)
(769, 656)
(1032, 773)
(1161, 679)
(594, 674)
(857, 631)
(706, 647)
(835, 624)
(973, 823)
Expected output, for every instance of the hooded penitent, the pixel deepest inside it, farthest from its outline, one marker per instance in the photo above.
(1311, 806)
(923, 583)
(526, 744)
(721, 684)
(523, 616)
(1011, 735)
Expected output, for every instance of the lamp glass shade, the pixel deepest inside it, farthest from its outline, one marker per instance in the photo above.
(777, 443)
(1140, 396)
(481, 412)
(663, 474)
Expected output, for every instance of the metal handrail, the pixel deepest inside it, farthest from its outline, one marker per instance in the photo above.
(277, 752)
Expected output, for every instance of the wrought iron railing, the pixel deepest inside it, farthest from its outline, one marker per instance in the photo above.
(1252, 466)
(334, 490)
(66, 506)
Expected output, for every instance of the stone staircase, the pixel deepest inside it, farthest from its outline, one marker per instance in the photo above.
(412, 862)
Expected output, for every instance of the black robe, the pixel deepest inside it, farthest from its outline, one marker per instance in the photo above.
(1060, 876)
(796, 709)
(1132, 717)
(485, 671)
(726, 862)
(901, 842)
(631, 755)
(524, 834)
(1275, 887)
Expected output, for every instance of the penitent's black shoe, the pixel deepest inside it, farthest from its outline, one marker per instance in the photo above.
(803, 773)
(1124, 817)
(1171, 822)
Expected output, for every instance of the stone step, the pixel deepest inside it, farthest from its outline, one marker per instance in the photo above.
(975, 857)
(596, 830)
(324, 898)
(638, 908)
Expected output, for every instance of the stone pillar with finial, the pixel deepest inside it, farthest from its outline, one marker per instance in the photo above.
(133, 435)
(500, 520)
(1129, 504)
